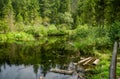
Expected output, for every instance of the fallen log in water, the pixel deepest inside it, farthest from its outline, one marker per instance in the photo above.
(68, 72)
(76, 67)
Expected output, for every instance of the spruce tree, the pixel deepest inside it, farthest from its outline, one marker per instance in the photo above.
(9, 15)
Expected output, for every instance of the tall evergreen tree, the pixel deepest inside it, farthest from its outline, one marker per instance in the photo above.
(9, 15)
(45, 9)
(65, 6)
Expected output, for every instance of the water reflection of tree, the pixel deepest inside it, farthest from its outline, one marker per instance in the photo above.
(36, 67)
(47, 54)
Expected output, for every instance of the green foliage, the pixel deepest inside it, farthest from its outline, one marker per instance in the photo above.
(8, 15)
(101, 71)
(98, 12)
(19, 18)
(52, 28)
(3, 26)
(16, 36)
(95, 24)
(45, 8)
(20, 36)
(20, 26)
(82, 31)
(26, 11)
(3, 38)
(43, 30)
(36, 30)
(87, 38)
(75, 12)
(65, 6)
(54, 31)
(115, 31)
(66, 18)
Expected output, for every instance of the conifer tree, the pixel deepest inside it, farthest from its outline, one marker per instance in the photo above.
(9, 15)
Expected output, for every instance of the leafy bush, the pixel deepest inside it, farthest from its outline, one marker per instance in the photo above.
(114, 32)
(3, 38)
(36, 30)
(52, 29)
(66, 18)
(20, 26)
(42, 30)
(3, 26)
(23, 36)
(82, 31)
(16, 36)
(87, 38)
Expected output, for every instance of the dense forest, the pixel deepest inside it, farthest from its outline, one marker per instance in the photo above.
(15, 15)
(80, 19)
(89, 26)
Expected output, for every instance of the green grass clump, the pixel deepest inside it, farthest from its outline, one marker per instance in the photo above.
(16, 36)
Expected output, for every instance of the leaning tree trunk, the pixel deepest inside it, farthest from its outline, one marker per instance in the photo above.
(112, 73)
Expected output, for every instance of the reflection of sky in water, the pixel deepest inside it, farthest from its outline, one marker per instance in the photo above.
(27, 72)
(51, 75)
(18, 72)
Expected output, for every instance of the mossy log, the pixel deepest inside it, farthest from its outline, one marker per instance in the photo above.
(68, 72)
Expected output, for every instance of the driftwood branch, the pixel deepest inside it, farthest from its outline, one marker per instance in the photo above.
(82, 61)
(112, 73)
(87, 62)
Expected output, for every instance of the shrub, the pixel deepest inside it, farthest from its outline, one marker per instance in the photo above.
(3, 38)
(19, 36)
(52, 29)
(87, 38)
(114, 31)
(36, 30)
(3, 26)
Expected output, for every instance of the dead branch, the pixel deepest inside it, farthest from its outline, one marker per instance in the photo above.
(82, 61)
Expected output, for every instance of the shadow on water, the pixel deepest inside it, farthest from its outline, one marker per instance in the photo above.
(30, 60)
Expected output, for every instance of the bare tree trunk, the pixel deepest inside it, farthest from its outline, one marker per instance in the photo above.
(112, 73)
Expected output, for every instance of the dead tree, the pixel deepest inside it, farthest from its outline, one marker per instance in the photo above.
(112, 73)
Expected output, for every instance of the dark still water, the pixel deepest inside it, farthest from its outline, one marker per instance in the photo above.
(33, 60)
